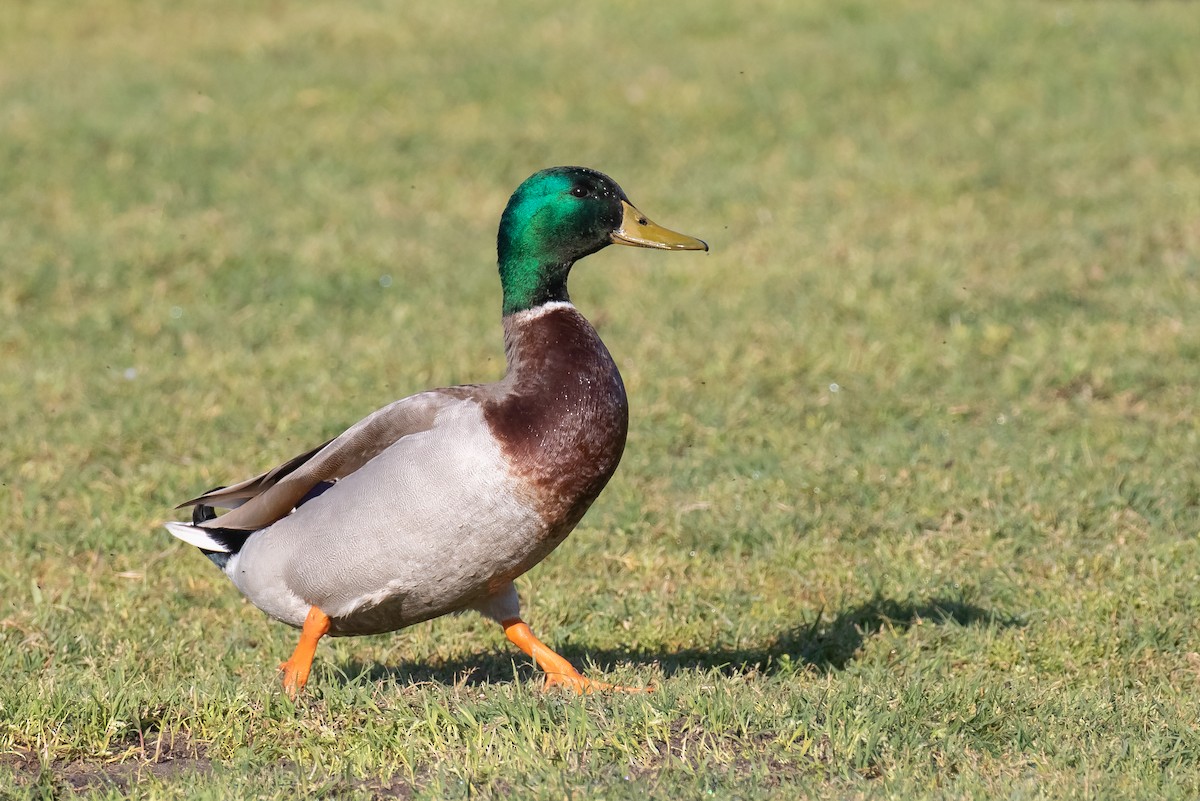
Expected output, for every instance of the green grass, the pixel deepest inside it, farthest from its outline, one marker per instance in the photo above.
(911, 501)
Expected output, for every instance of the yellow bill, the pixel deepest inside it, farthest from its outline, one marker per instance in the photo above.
(636, 230)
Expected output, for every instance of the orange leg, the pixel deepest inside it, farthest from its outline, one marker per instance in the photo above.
(559, 672)
(295, 670)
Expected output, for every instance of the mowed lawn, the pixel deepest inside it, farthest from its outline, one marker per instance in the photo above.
(910, 506)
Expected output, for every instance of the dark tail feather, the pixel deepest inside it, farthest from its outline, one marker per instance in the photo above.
(232, 538)
(201, 513)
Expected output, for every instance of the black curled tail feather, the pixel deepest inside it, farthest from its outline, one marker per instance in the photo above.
(231, 538)
(201, 513)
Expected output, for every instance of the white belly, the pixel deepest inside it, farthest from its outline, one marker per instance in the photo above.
(433, 524)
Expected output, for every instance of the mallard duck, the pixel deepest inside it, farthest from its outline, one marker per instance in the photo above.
(437, 502)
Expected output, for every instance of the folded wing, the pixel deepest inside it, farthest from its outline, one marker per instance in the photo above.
(260, 501)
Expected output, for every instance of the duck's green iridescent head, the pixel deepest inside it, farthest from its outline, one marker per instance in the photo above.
(558, 216)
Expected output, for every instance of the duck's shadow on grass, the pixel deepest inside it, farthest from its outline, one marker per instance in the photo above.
(824, 645)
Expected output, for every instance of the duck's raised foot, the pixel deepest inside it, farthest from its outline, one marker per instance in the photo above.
(296, 668)
(294, 678)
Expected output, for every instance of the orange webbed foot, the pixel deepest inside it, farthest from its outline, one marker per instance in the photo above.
(295, 676)
(582, 685)
(297, 667)
(559, 672)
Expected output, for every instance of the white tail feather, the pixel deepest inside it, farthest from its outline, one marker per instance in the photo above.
(194, 535)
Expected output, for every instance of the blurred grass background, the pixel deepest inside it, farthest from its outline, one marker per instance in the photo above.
(912, 492)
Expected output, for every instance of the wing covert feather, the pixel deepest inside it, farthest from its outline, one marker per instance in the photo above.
(258, 502)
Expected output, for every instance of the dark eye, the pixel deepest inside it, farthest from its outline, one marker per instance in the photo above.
(581, 191)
